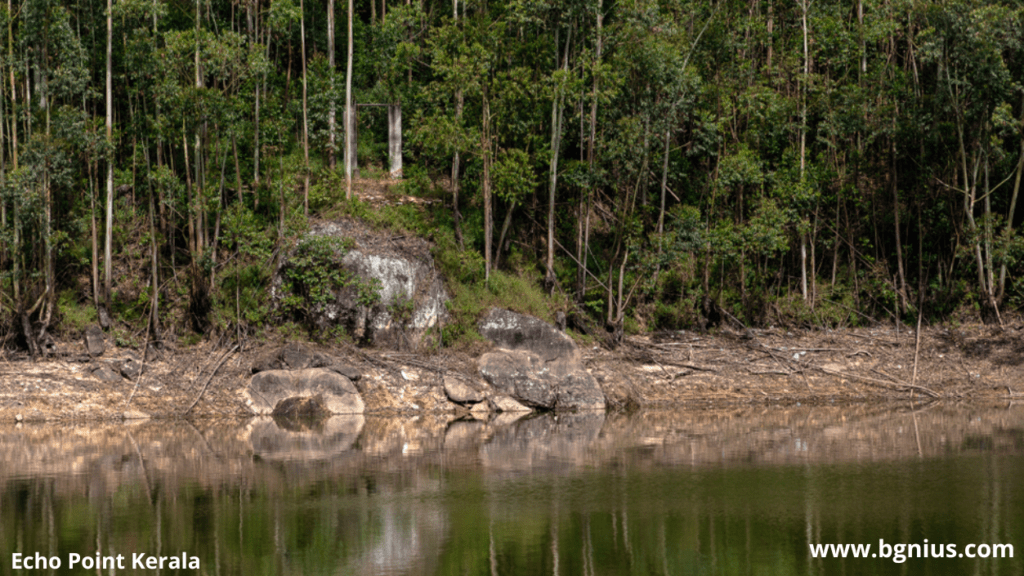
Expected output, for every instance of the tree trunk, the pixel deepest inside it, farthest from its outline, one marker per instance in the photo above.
(109, 231)
(395, 140)
(501, 237)
(154, 301)
(349, 123)
(189, 194)
(305, 115)
(1013, 203)
(556, 142)
(197, 160)
(664, 188)
(896, 217)
(95, 240)
(456, 215)
(330, 66)
(591, 150)
(485, 143)
(803, 143)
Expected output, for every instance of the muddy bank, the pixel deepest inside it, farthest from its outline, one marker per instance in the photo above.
(277, 454)
(673, 369)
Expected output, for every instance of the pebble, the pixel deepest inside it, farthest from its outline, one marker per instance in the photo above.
(18, 417)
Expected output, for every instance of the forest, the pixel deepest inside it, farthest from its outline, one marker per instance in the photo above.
(641, 165)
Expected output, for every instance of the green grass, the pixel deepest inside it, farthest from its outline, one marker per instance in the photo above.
(75, 315)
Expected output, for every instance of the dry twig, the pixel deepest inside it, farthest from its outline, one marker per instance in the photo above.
(210, 378)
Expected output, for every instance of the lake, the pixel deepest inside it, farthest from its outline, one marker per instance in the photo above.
(738, 491)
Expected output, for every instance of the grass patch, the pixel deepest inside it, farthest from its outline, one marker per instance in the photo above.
(75, 315)
(471, 296)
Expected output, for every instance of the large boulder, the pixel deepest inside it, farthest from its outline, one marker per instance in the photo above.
(295, 356)
(512, 331)
(278, 391)
(291, 356)
(410, 295)
(536, 364)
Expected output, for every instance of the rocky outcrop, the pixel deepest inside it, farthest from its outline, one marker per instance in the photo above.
(536, 364)
(410, 295)
(277, 391)
(104, 373)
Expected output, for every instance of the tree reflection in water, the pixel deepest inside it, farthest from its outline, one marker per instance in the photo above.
(720, 492)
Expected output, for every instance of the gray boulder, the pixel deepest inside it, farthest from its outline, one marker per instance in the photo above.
(291, 356)
(462, 393)
(506, 404)
(277, 390)
(410, 294)
(130, 368)
(94, 343)
(536, 364)
(512, 331)
(522, 375)
(105, 373)
(346, 371)
(295, 356)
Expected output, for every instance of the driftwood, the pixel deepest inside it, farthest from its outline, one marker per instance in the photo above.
(210, 378)
(898, 386)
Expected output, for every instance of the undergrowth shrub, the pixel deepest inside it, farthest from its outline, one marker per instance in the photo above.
(314, 274)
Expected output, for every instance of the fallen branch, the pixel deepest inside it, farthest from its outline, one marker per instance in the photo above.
(899, 386)
(210, 378)
(691, 366)
(142, 367)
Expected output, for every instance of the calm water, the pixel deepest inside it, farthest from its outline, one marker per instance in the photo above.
(705, 492)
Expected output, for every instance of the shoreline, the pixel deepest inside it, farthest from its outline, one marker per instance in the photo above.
(683, 369)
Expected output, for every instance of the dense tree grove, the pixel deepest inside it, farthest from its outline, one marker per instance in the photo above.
(655, 162)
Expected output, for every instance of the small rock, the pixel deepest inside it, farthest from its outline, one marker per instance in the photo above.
(506, 404)
(18, 418)
(130, 368)
(135, 415)
(481, 408)
(104, 317)
(153, 354)
(94, 343)
(106, 374)
(560, 320)
(461, 393)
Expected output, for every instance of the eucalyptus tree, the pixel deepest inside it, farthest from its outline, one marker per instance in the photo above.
(970, 46)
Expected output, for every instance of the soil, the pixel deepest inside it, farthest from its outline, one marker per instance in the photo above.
(677, 369)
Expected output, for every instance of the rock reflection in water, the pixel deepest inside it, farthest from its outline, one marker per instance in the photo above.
(719, 491)
(278, 438)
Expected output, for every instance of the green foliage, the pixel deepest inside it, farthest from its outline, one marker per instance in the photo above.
(519, 291)
(758, 150)
(75, 315)
(314, 274)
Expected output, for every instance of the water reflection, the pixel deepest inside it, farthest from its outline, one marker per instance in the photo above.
(725, 491)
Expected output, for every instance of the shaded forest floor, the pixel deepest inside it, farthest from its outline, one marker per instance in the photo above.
(677, 369)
